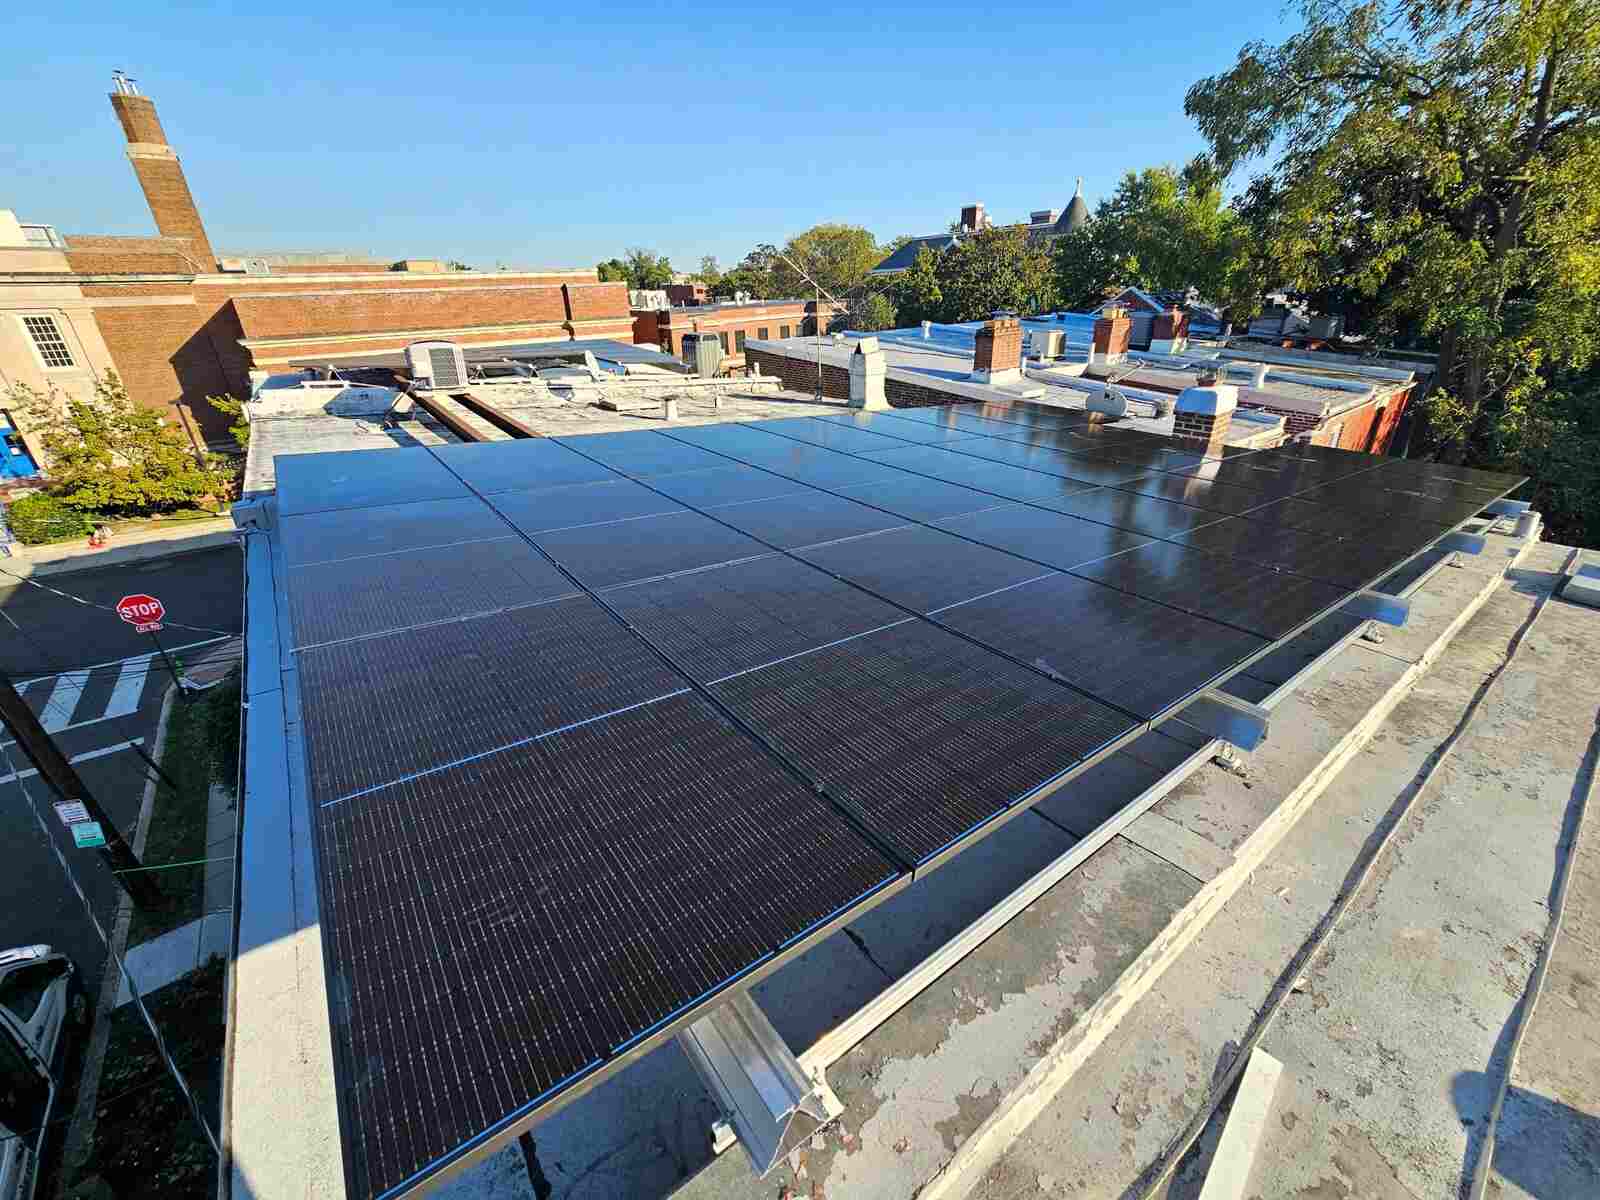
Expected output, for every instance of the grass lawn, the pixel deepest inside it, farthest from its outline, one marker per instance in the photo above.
(145, 1139)
(202, 747)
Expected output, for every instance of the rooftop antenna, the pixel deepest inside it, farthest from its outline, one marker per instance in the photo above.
(124, 85)
(820, 292)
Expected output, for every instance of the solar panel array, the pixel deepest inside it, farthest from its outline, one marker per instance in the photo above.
(598, 727)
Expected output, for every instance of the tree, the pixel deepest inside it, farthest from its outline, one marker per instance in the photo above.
(109, 455)
(872, 312)
(836, 256)
(640, 269)
(710, 272)
(754, 275)
(1162, 228)
(1438, 156)
(997, 268)
(916, 292)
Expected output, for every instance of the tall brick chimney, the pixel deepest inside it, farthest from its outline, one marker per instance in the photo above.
(997, 356)
(160, 175)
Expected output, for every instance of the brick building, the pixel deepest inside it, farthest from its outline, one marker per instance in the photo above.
(734, 322)
(177, 323)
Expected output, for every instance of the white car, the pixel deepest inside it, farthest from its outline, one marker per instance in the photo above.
(39, 994)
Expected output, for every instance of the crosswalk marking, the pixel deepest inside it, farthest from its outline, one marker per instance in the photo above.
(86, 756)
(55, 714)
(129, 687)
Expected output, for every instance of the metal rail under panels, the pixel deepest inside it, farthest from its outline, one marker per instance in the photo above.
(658, 976)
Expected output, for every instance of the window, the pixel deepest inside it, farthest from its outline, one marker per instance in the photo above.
(783, 331)
(763, 333)
(723, 338)
(738, 342)
(47, 340)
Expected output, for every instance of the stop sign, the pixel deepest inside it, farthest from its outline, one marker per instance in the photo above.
(143, 612)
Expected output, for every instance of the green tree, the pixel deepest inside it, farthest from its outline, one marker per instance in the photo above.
(109, 455)
(998, 268)
(613, 270)
(837, 256)
(916, 291)
(754, 275)
(1162, 228)
(710, 272)
(871, 312)
(1438, 156)
(646, 269)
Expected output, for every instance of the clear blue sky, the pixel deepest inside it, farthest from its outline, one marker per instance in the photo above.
(563, 136)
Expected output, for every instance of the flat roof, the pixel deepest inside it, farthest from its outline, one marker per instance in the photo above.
(605, 349)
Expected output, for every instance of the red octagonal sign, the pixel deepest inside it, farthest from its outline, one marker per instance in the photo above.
(143, 612)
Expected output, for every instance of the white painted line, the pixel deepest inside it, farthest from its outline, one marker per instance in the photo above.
(129, 687)
(29, 772)
(81, 672)
(55, 714)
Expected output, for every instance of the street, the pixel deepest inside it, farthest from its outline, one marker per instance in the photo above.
(42, 632)
(108, 698)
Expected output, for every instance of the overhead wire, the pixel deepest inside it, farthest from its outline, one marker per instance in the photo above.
(107, 607)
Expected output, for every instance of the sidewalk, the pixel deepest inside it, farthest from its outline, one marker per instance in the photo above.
(33, 561)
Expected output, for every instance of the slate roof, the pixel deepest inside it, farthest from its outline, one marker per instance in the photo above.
(907, 254)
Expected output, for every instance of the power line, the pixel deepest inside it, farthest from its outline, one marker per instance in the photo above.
(107, 607)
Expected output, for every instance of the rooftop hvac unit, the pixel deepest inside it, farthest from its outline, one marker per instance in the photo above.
(437, 364)
(1046, 344)
(703, 353)
(257, 266)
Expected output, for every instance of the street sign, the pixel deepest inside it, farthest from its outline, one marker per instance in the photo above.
(71, 812)
(87, 834)
(142, 611)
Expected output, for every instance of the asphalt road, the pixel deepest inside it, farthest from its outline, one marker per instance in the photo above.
(43, 633)
(95, 708)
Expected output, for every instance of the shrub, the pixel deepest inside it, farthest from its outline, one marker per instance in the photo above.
(38, 518)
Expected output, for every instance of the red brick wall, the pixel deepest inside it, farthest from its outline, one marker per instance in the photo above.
(97, 255)
(685, 293)
(998, 346)
(138, 117)
(646, 328)
(590, 301)
(800, 375)
(1111, 336)
(172, 206)
(325, 313)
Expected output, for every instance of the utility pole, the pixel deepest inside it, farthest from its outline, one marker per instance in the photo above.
(56, 770)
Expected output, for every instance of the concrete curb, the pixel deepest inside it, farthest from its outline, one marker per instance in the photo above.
(972, 1160)
(1242, 1136)
(80, 1131)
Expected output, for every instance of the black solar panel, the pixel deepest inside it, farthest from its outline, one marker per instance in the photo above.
(1085, 468)
(522, 464)
(1045, 537)
(1270, 604)
(1128, 652)
(381, 708)
(603, 555)
(561, 901)
(928, 737)
(356, 532)
(890, 425)
(920, 498)
(359, 478)
(718, 622)
(551, 832)
(827, 433)
(732, 483)
(803, 520)
(359, 596)
(644, 453)
(919, 568)
(582, 504)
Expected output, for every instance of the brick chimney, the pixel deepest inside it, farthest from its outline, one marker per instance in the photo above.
(973, 217)
(160, 175)
(1111, 334)
(1203, 414)
(999, 352)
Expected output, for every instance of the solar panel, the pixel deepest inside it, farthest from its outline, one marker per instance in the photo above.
(358, 478)
(1051, 538)
(890, 425)
(827, 433)
(560, 810)
(806, 519)
(582, 504)
(562, 901)
(745, 615)
(601, 556)
(928, 737)
(360, 596)
(356, 532)
(644, 453)
(381, 708)
(919, 568)
(525, 463)
(1259, 600)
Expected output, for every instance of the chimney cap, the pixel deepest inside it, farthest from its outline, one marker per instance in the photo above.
(124, 84)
